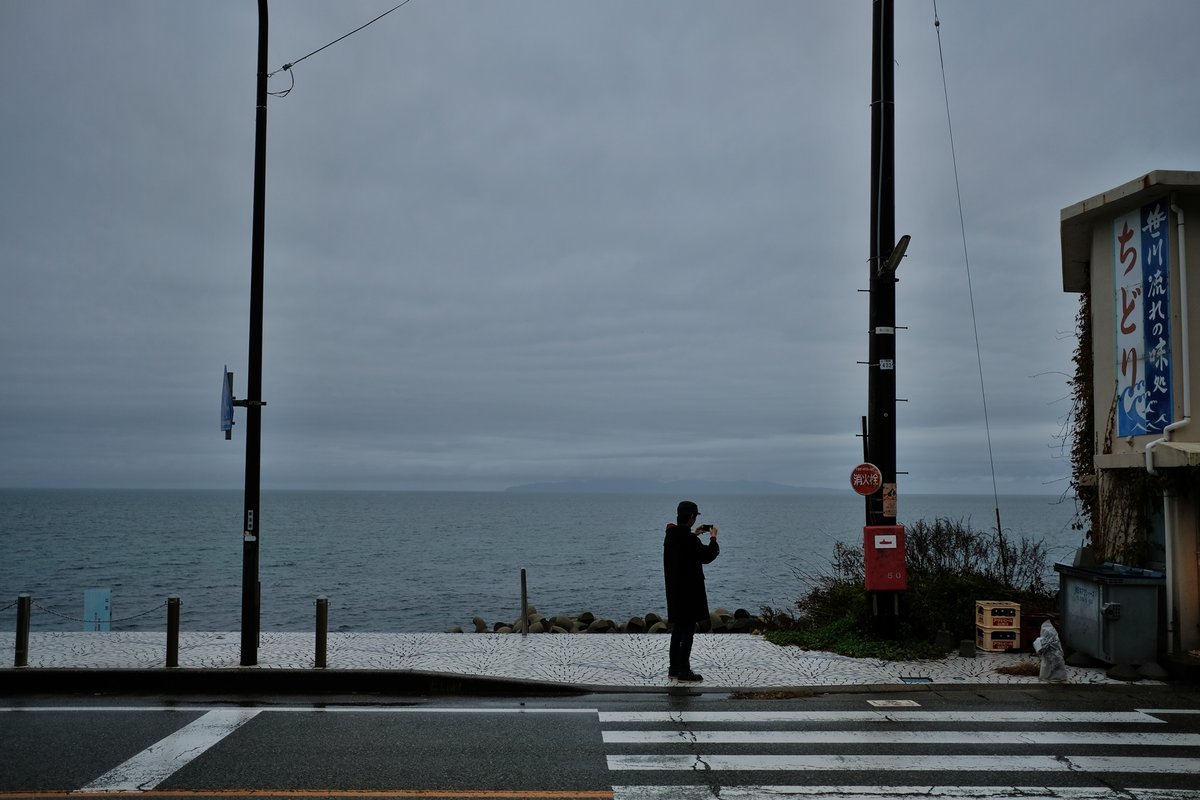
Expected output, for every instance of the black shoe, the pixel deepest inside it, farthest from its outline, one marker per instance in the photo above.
(690, 676)
(672, 673)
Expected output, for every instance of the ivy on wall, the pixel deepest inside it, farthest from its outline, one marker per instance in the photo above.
(1082, 423)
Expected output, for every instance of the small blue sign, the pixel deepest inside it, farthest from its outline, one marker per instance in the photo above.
(97, 609)
(227, 402)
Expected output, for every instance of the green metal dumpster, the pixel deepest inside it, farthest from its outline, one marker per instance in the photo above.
(1110, 612)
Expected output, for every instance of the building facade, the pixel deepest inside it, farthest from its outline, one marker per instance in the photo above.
(1129, 252)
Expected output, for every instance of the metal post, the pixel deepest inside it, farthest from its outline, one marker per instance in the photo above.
(524, 606)
(881, 404)
(322, 630)
(173, 631)
(252, 520)
(867, 460)
(24, 608)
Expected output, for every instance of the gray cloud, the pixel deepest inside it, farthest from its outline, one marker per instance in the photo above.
(527, 240)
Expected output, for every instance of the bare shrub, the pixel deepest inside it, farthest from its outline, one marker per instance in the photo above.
(950, 566)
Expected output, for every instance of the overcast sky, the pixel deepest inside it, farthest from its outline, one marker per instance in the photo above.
(528, 240)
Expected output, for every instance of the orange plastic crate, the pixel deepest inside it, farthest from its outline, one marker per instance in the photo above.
(998, 614)
(991, 639)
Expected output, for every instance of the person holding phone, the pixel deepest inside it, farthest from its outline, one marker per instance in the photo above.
(684, 557)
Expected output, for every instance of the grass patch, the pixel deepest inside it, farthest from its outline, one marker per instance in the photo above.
(842, 638)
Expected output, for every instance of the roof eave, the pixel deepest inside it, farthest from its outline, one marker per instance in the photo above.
(1076, 221)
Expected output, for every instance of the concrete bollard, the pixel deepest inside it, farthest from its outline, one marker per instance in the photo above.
(322, 631)
(173, 631)
(524, 606)
(24, 607)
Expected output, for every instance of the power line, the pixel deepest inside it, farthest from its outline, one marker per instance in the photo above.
(937, 25)
(288, 67)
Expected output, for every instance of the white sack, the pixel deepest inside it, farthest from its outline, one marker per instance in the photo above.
(1049, 647)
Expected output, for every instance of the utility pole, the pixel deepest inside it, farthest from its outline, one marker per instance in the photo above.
(252, 519)
(881, 389)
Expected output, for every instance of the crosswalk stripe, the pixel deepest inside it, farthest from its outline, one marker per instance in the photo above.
(955, 737)
(159, 761)
(898, 792)
(882, 716)
(905, 763)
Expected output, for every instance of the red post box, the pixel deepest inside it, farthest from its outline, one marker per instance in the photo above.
(883, 556)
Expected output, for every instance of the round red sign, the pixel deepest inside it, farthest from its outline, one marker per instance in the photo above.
(866, 479)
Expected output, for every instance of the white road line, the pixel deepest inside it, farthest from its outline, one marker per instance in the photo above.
(310, 709)
(159, 761)
(439, 710)
(880, 716)
(900, 792)
(105, 709)
(907, 763)
(955, 737)
(1137, 715)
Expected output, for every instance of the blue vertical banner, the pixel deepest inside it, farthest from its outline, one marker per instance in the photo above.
(226, 401)
(97, 609)
(1142, 285)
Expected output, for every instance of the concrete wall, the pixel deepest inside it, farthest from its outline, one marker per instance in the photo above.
(1184, 589)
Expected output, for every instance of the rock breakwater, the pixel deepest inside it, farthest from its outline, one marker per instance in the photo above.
(719, 621)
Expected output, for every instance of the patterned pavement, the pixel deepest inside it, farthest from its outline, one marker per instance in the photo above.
(586, 661)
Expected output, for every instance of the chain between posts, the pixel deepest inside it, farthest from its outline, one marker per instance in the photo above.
(40, 607)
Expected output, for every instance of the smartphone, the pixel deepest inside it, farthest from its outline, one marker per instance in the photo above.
(705, 528)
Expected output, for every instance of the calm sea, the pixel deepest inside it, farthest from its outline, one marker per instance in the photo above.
(426, 561)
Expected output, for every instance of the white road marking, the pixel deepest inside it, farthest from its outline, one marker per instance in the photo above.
(906, 763)
(880, 716)
(438, 710)
(900, 792)
(159, 761)
(955, 737)
(1137, 715)
(310, 709)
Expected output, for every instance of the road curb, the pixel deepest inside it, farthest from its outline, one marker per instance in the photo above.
(254, 680)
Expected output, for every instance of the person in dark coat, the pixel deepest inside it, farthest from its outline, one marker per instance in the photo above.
(684, 558)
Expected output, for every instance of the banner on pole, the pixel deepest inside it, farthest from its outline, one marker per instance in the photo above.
(227, 402)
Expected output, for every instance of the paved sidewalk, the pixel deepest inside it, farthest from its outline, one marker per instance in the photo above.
(582, 661)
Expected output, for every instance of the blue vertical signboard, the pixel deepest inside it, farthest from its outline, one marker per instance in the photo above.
(1142, 285)
(97, 609)
(227, 402)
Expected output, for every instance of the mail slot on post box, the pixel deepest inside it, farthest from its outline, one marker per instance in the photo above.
(883, 554)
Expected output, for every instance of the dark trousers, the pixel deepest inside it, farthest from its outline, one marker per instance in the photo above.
(681, 647)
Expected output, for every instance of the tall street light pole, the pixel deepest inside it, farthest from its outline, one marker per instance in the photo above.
(252, 519)
(881, 390)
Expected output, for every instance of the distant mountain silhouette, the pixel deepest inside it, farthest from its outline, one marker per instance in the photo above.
(681, 488)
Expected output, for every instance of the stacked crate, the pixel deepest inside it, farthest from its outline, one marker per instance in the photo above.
(997, 625)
